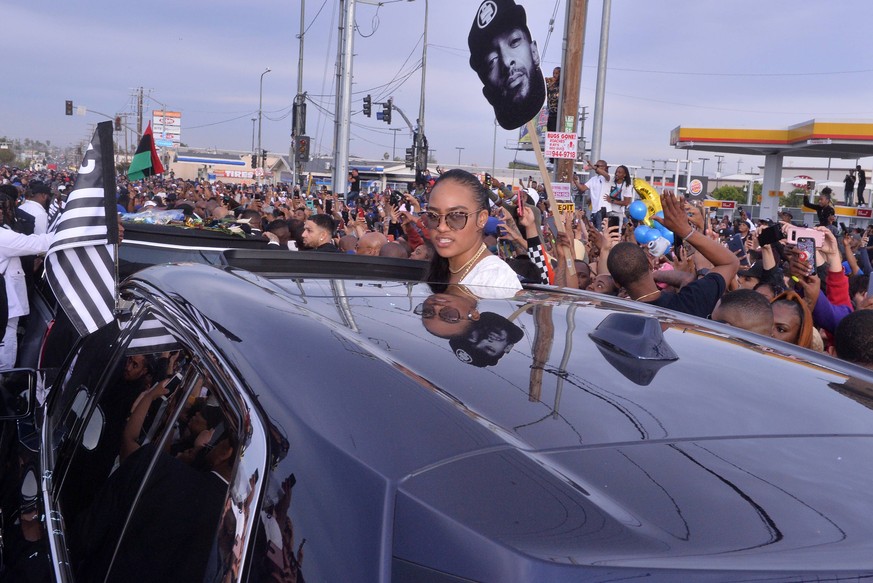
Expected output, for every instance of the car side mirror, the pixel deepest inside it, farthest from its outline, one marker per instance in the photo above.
(17, 393)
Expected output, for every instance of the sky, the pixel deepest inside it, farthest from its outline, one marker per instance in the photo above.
(698, 63)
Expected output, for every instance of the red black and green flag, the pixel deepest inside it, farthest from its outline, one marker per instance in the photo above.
(146, 161)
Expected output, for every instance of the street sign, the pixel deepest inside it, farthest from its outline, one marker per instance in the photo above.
(561, 145)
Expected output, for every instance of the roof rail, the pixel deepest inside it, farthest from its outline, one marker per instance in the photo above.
(333, 265)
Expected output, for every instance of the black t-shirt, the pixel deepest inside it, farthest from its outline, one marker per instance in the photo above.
(355, 182)
(698, 298)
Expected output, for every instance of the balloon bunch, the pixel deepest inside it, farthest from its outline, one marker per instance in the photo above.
(651, 233)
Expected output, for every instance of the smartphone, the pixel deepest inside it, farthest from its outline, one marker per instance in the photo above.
(770, 235)
(810, 185)
(360, 213)
(487, 180)
(328, 206)
(796, 233)
(806, 246)
(613, 221)
(174, 383)
(735, 244)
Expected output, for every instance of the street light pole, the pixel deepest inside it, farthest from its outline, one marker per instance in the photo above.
(458, 148)
(394, 145)
(254, 119)
(260, 113)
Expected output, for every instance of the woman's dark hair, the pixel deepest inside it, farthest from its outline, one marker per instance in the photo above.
(438, 274)
(627, 180)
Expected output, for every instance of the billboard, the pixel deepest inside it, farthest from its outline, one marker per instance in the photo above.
(167, 128)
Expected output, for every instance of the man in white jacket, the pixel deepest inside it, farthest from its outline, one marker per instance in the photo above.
(13, 246)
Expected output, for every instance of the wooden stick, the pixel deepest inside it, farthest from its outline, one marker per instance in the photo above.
(535, 141)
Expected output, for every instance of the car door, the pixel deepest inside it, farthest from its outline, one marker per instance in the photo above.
(143, 482)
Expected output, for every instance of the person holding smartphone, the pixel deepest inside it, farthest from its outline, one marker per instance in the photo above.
(824, 209)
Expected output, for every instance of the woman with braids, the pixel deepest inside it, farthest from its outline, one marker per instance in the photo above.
(456, 216)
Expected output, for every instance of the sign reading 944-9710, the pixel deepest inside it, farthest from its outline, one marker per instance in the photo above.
(561, 145)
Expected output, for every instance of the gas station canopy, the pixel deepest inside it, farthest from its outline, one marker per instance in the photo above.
(810, 139)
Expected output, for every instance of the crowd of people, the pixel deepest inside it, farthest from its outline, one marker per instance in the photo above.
(492, 237)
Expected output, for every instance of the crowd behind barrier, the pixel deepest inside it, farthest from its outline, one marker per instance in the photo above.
(816, 297)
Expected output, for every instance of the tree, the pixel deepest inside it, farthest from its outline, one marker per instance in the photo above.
(793, 199)
(386, 156)
(734, 193)
(7, 156)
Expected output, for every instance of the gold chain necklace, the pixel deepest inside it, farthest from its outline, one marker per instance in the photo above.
(468, 263)
(648, 295)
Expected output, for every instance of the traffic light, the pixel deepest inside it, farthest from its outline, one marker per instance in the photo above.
(410, 157)
(368, 106)
(254, 160)
(386, 110)
(264, 158)
(117, 123)
(68, 104)
(302, 149)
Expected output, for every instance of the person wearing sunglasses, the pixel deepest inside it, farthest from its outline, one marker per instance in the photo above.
(456, 217)
(478, 339)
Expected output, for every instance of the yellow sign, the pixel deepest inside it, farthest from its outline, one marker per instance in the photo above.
(566, 207)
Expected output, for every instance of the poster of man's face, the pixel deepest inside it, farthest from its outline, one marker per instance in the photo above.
(506, 59)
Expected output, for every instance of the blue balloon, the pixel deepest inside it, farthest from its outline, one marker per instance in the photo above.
(640, 234)
(668, 234)
(660, 214)
(638, 210)
(651, 235)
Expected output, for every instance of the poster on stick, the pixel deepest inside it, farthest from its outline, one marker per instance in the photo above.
(506, 59)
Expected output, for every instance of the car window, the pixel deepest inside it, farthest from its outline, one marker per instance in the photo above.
(159, 511)
(146, 448)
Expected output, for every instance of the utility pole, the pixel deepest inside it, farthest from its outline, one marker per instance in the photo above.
(571, 75)
(421, 146)
(299, 110)
(597, 130)
(342, 126)
(459, 149)
(139, 114)
(254, 119)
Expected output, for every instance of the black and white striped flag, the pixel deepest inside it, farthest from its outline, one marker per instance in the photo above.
(80, 263)
(152, 336)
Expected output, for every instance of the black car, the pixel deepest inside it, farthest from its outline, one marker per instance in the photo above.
(295, 426)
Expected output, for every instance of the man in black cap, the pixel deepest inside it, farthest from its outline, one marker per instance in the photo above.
(506, 59)
(31, 214)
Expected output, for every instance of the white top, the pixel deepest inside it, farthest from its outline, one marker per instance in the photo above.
(40, 216)
(627, 192)
(492, 278)
(596, 186)
(12, 246)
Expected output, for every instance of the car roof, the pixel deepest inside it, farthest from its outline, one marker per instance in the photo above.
(612, 390)
(607, 421)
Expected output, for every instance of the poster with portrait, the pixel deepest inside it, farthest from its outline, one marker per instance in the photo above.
(506, 59)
